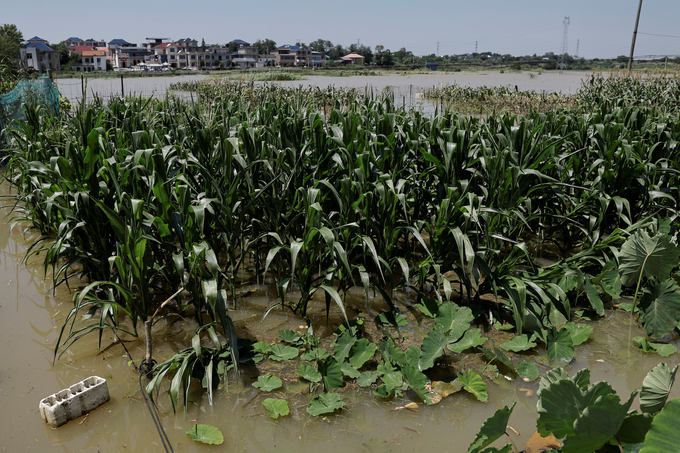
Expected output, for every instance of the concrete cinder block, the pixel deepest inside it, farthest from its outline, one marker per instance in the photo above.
(75, 401)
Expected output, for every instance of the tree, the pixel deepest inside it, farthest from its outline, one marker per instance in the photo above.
(383, 57)
(265, 46)
(62, 48)
(320, 45)
(109, 65)
(364, 51)
(337, 52)
(10, 43)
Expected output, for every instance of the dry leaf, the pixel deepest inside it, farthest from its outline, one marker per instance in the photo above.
(538, 443)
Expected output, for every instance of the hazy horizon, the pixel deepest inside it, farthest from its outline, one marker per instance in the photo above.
(603, 28)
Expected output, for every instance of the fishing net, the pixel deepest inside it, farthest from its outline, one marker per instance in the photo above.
(37, 92)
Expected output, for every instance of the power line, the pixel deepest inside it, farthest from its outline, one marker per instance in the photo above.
(562, 63)
(654, 34)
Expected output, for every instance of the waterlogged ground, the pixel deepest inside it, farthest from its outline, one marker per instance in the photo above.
(407, 88)
(31, 316)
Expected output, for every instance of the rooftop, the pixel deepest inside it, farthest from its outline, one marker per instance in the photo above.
(36, 38)
(41, 46)
(118, 41)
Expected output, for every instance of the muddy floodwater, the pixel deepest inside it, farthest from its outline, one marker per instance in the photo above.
(31, 316)
(406, 87)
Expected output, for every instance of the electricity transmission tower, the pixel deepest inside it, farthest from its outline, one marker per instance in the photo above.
(562, 60)
(578, 41)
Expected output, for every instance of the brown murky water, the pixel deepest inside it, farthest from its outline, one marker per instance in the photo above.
(31, 316)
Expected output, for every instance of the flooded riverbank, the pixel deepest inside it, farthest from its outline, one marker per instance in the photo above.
(31, 316)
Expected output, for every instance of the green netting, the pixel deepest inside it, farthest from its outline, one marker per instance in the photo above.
(41, 91)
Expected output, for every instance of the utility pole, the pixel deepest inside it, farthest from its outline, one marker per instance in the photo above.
(476, 43)
(562, 61)
(437, 48)
(578, 41)
(632, 46)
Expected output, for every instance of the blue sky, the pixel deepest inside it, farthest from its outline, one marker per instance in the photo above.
(603, 27)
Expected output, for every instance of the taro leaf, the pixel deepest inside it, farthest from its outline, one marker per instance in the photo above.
(289, 336)
(390, 377)
(664, 350)
(490, 371)
(473, 383)
(656, 387)
(499, 355)
(445, 389)
(326, 403)
(432, 348)
(315, 354)
(262, 347)
(471, 339)
(660, 307)
(413, 356)
(527, 370)
(454, 319)
(343, 345)
(267, 383)
(664, 435)
(417, 380)
(550, 376)
(391, 319)
(633, 448)
(331, 373)
(519, 343)
(363, 350)
(599, 423)
(561, 403)
(309, 373)
(429, 307)
(206, 434)
(349, 371)
(276, 407)
(610, 280)
(367, 378)
(654, 256)
(391, 353)
(634, 428)
(559, 345)
(579, 332)
(492, 429)
(282, 352)
(594, 297)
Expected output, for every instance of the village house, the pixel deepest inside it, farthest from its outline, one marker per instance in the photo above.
(293, 55)
(37, 54)
(77, 42)
(92, 60)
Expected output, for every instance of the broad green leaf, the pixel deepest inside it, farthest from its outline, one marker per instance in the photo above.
(390, 376)
(653, 256)
(282, 352)
(367, 378)
(276, 408)
(206, 434)
(391, 319)
(656, 387)
(579, 332)
(454, 320)
(493, 428)
(660, 307)
(610, 280)
(594, 297)
(262, 347)
(663, 349)
(417, 381)
(519, 343)
(315, 354)
(471, 339)
(343, 345)
(559, 345)
(527, 370)
(362, 351)
(550, 376)
(432, 348)
(664, 435)
(309, 373)
(413, 356)
(598, 424)
(267, 383)
(429, 307)
(289, 336)
(391, 353)
(473, 383)
(326, 403)
(561, 403)
(331, 373)
(634, 428)
(349, 371)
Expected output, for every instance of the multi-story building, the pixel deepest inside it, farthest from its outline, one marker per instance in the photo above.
(37, 54)
(293, 55)
(77, 42)
(92, 60)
